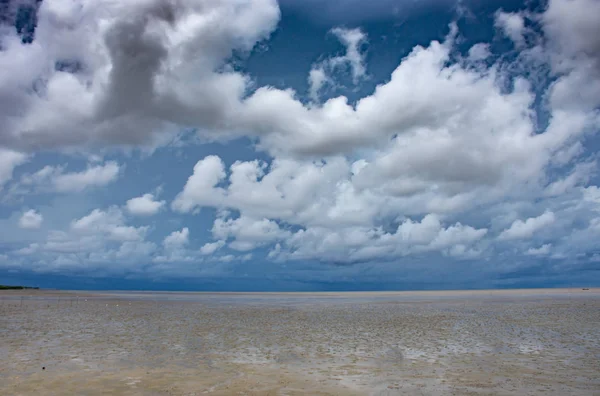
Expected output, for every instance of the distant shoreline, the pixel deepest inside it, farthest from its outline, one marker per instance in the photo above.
(528, 291)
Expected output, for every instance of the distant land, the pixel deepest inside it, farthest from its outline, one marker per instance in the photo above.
(6, 287)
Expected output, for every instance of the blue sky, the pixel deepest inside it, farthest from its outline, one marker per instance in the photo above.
(299, 145)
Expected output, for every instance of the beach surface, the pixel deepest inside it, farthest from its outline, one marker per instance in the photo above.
(509, 342)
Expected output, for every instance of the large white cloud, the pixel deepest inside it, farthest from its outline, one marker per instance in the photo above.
(142, 64)
(140, 67)
(127, 71)
(322, 200)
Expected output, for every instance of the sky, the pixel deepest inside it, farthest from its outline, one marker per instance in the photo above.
(258, 145)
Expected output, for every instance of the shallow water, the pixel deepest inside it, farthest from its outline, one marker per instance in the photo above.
(432, 343)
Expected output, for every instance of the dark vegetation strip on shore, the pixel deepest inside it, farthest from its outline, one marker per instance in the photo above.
(5, 287)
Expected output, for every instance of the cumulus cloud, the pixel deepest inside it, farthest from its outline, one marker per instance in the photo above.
(177, 239)
(146, 205)
(9, 160)
(110, 223)
(165, 92)
(327, 193)
(178, 79)
(571, 28)
(526, 229)
(211, 247)
(99, 242)
(31, 220)
(248, 233)
(176, 249)
(336, 219)
(122, 73)
(356, 244)
(200, 187)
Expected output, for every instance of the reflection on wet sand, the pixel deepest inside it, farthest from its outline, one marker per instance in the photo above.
(479, 343)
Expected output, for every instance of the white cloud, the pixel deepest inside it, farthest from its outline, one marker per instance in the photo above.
(466, 105)
(513, 26)
(248, 233)
(543, 250)
(352, 40)
(110, 224)
(9, 160)
(572, 33)
(592, 194)
(294, 191)
(227, 258)
(353, 60)
(28, 250)
(112, 97)
(317, 78)
(175, 249)
(94, 176)
(31, 220)
(55, 179)
(479, 52)
(139, 250)
(463, 252)
(352, 244)
(526, 229)
(200, 187)
(177, 239)
(580, 174)
(571, 27)
(145, 96)
(100, 241)
(146, 205)
(211, 247)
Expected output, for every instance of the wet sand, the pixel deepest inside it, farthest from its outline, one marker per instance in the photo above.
(524, 342)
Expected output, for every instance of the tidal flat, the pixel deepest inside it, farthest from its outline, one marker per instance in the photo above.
(514, 342)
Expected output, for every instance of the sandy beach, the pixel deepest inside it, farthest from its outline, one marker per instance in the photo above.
(524, 342)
